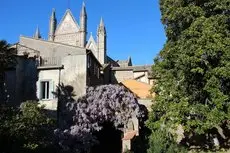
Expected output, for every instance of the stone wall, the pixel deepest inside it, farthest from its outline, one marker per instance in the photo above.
(49, 48)
(71, 39)
(141, 76)
(93, 71)
(73, 74)
(21, 81)
(119, 76)
(146, 102)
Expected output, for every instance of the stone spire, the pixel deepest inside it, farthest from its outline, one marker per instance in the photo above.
(101, 40)
(101, 27)
(130, 61)
(83, 10)
(52, 26)
(37, 34)
(83, 26)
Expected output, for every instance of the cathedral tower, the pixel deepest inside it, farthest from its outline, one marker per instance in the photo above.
(83, 26)
(52, 26)
(101, 40)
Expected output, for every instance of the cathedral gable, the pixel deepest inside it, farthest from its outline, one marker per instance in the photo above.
(68, 30)
(92, 46)
(67, 25)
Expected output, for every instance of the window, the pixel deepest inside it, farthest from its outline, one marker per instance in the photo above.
(46, 90)
(95, 69)
(98, 72)
(88, 61)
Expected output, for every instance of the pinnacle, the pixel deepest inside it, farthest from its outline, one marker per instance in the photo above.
(83, 11)
(53, 13)
(37, 33)
(101, 22)
(83, 4)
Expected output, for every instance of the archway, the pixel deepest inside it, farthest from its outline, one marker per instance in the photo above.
(109, 139)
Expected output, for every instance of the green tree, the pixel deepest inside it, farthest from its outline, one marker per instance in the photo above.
(7, 59)
(160, 143)
(27, 129)
(192, 72)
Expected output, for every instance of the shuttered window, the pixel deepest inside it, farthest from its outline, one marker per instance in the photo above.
(46, 89)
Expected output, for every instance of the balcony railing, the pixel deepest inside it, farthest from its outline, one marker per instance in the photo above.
(50, 61)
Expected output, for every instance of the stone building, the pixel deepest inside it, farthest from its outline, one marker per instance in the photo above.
(68, 57)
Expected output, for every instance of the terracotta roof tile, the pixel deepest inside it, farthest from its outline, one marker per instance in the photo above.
(142, 90)
(129, 135)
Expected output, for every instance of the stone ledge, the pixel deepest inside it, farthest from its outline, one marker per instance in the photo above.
(50, 67)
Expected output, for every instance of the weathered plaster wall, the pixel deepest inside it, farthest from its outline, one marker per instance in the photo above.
(72, 58)
(51, 49)
(26, 78)
(74, 73)
(122, 75)
(141, 76)
(146, 102)
(93, 71)
(53, 76)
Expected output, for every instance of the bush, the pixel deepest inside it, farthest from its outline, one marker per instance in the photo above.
(160, 143)
(25, 129)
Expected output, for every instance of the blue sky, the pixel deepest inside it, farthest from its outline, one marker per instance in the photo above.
(133, 26)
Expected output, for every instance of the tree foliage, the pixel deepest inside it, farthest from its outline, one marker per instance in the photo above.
(192, 71)
(27, 129)
(7, 59)
(6, 55)
(160, 143)
(105, 103)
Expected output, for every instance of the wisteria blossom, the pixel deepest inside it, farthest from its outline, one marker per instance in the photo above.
(105, 103)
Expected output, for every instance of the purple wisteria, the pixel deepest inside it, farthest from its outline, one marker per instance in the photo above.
(105, 103)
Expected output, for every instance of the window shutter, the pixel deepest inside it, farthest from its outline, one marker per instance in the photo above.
(39, 90)
(51, 89)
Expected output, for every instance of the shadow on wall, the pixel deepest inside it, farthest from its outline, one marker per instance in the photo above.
(21, 80)
(140, 143)
(64, 94)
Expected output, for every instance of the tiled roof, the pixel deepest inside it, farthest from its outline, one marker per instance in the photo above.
(134, 68)
(140, 89)
(142, 67)
(129, 135)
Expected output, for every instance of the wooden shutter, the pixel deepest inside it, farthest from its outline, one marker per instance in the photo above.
(51, 89)
(39, 90)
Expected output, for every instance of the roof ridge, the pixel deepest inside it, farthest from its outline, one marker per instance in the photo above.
(54, 42)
